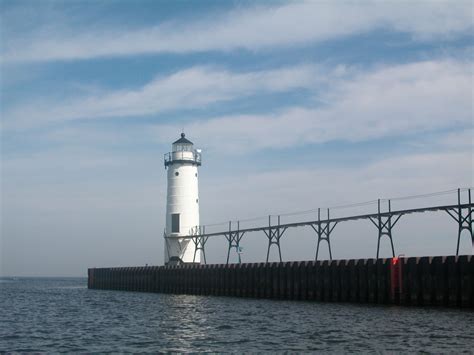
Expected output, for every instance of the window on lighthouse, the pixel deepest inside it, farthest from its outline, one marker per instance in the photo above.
(175, 223)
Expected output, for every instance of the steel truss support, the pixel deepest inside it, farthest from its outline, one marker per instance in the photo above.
(234, 238)
(463, 216)
(274, 234)
(199, 241)
(384, 224)
(167, 242)
(323, 229)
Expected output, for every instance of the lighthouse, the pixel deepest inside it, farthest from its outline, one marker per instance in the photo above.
(182, 202)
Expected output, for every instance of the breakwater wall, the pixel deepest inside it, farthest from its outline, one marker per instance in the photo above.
(420, 281)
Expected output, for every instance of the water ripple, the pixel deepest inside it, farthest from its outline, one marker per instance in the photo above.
(62, 315)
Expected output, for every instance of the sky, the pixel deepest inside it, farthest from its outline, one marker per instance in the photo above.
(295, 105)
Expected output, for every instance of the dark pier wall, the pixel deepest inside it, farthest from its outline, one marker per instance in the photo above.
(425, 281)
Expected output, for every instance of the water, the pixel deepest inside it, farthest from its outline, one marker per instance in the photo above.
(62, 315)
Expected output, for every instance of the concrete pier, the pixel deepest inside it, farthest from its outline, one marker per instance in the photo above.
(418, 281)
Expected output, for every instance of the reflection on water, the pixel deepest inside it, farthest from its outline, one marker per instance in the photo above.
(63, 315)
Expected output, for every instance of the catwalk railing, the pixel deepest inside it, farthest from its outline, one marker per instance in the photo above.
(384, 221)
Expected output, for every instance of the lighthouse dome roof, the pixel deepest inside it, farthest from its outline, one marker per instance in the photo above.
(183, 140)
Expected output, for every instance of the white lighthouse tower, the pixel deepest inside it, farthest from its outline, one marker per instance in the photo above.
(182, 206)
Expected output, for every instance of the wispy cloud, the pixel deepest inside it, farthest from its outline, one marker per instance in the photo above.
(358, 105)
(258, 28)
(390, 101)
(190, 88)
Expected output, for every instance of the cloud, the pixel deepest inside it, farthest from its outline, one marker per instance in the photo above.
(191, 88)
(397, 100)
(460, 140)
(256, 28)
(357, 105)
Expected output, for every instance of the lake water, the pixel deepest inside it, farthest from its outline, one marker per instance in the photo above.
(62, 315)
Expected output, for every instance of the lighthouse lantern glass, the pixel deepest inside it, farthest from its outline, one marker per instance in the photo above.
(182, 147)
